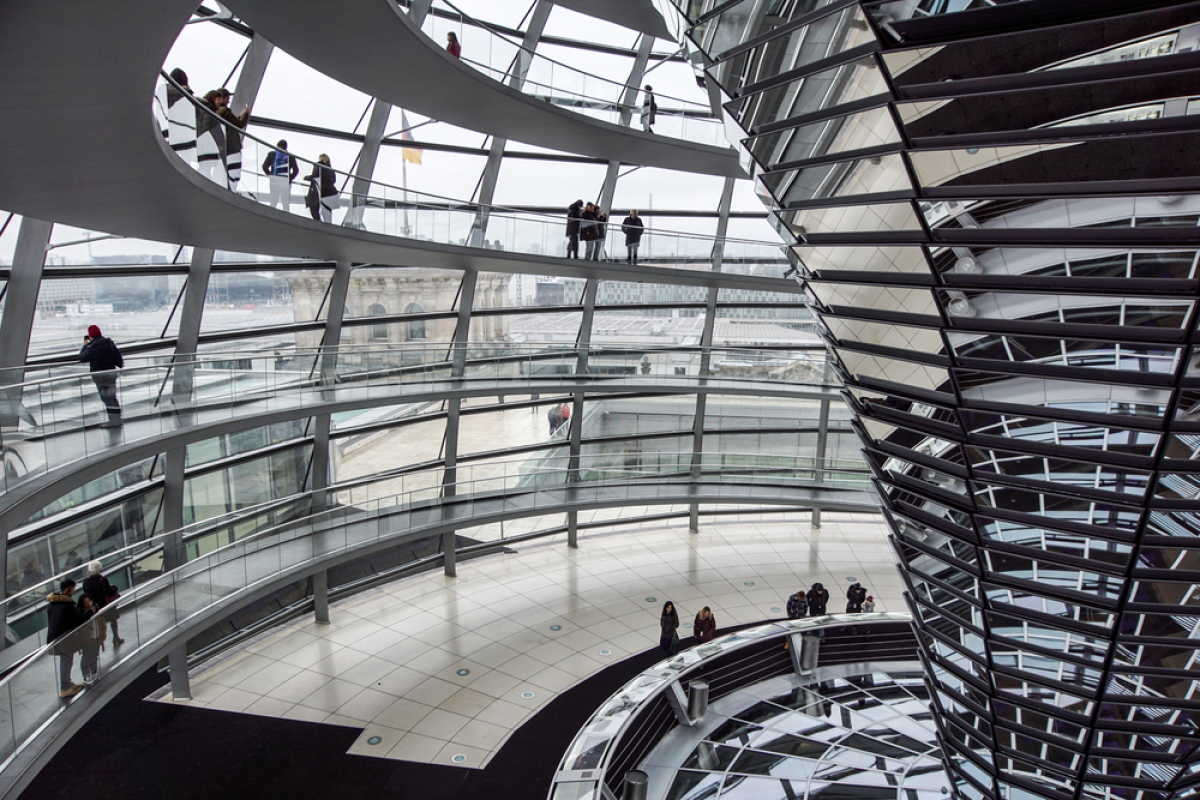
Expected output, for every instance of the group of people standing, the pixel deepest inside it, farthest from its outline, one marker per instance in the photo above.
(194, 130)
(77, 626)
(704, 627)
(587, 222)
(815, 602)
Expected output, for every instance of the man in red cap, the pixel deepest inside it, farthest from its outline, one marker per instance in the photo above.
(104, 359)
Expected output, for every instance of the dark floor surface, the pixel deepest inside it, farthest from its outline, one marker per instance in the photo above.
(138, 750)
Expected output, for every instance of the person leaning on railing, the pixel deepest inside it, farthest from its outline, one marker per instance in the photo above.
(322, 190)
(63, 618)
(233, 140)
(281, 168)
(103, 359)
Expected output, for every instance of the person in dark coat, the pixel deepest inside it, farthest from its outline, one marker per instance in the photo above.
(573, 213)
(589, 230)
(649, 110)
(63, 618)
(281, 168)
(797, 606)
(705, 626)
(601, 233)
(632, 227)
(669, 626)
(103, 360)
(856, 595)
(233, 139)
(818, 600)
(554, 418)
(179, 115)
(210, 139)
(322, 190)
(97, 587)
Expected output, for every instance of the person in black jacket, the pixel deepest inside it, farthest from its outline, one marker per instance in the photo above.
(97, 587)
(855, 596)
(589, 230)
(104, 359)
(322, 190)
(632, 228)
(601, 233)
(668, 624)
(573, 213)
(818, 600)
(281, 168)
(64, 617)
(649, 110)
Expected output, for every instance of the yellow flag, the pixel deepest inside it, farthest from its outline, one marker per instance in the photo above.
(411, 154)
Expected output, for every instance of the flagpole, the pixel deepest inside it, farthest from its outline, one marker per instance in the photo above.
(404, 186)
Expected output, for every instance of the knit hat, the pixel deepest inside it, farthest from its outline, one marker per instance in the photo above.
(94, 331)
(94, 568)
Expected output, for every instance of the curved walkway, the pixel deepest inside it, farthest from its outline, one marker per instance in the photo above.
(163, 613)
(66, 459)
(373, 46)
(91, 155)
(389, 657)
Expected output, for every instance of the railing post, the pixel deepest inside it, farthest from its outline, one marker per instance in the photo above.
(635, 785)
(450, 554)
(174, 555)
(320, 591)
(819, 459)
(181, 686)
(697, 700)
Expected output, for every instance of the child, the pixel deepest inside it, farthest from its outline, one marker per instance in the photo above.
(868, 605)
(93, 634)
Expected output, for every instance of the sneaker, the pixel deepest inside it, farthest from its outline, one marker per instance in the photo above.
(118, 640)
(73, 689)
(88, 680)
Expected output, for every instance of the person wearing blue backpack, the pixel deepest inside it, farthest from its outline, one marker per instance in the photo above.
(281, 169)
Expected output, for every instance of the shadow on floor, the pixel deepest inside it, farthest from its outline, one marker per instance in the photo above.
(139, 750)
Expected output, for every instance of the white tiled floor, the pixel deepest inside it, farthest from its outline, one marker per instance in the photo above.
(389, 660)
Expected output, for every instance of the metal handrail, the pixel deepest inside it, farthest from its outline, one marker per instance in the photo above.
(328, 497)
(442, 201)
(664, 678)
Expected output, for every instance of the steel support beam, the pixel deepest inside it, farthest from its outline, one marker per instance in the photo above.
(16, 326)
(20, 299)
(191, 313)
(575, 437)
(629, 98)
(419, 10)
(491, 170)
(335, 311)
(533, 34)
(254, 67)
(706, 341)
(458, 361)
(819, 460)
(368, 155)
